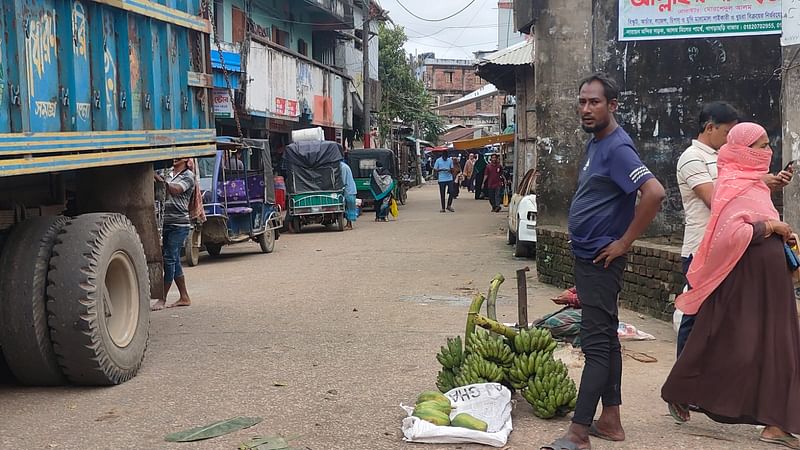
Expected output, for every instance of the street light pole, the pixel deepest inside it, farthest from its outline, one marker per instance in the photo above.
(365, 82)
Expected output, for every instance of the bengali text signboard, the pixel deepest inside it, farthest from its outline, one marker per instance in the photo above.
(791, 22)
(677, 19)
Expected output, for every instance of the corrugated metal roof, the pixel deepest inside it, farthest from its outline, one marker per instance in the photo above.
(233, 61)
(485, 91)
(517, 55)
(461, 133)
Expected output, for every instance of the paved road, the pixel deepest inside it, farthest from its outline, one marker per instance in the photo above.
(325, 338)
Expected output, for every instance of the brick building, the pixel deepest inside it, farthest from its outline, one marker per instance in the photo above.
(450, 79)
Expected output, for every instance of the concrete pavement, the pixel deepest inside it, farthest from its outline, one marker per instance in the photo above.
(325, 338)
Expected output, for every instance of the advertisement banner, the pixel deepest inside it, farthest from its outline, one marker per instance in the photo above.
(280, 106)
(223, 105)
(791, 22)
(641, 20)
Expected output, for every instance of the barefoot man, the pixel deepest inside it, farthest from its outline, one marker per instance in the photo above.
(604, 220)
(177, 224)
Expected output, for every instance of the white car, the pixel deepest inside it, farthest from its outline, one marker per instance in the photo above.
(522, 217)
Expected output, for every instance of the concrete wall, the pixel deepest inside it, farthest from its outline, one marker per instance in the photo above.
(664, 83)
(563, 55)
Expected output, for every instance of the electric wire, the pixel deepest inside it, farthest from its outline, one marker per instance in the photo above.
(435, 20)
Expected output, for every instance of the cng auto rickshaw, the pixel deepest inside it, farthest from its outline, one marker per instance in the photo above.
(238, 198)
(363, 161)
(314, 184)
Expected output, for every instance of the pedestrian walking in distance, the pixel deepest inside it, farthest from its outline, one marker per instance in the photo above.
(180, 185)
(443, 169)
(458, 177)
(350, 192)
(741, 363)
(604, 221)
(469, 168)
(493, 176)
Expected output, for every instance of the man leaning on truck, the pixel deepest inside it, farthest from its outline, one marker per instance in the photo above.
(180, 183)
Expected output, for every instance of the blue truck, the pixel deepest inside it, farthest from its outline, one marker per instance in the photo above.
(93, 95)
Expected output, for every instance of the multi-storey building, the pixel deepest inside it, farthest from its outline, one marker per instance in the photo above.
(291, 64)
(449, 80)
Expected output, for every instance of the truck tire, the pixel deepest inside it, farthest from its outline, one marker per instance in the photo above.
(192, 252)
(511, 238)
(295, 226)
(267, 241)
(214, 249)
(24, 333)
(340, 222)
(6, 377)
(520, 247)
(99, 299)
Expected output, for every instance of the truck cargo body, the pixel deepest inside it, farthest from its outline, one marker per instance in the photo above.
(93, 94)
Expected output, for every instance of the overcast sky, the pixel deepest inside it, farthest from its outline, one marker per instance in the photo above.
(472, 30)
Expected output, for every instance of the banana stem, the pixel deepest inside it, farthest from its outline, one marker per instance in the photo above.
(491, 300)
(474, 310)
(494, 326)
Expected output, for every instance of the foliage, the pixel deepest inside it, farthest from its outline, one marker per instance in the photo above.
(404, 96)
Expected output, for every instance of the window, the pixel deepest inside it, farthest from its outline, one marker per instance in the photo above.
(238, 24)
(219, 18)
(302, 47)
(478, 105)
(448, 77)
(280, 37)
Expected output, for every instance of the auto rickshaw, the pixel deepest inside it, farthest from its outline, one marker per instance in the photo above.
(238, 198)
(314, 184)
(363, 161)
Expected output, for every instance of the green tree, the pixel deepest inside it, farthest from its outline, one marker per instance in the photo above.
(404, 96)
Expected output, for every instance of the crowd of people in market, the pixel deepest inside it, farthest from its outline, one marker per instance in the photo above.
(488, 180)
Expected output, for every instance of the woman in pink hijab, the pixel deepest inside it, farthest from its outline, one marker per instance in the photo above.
(741, 363)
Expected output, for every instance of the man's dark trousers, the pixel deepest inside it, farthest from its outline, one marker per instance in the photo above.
(687, 322)
(446, 187)
(491, 193)
(598, 289)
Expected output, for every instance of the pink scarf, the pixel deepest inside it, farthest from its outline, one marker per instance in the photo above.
(740, 199)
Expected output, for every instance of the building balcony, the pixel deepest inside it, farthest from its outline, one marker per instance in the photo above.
(283, 84)
(331, 14)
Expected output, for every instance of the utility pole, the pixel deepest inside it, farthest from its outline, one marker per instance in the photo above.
(365, 83)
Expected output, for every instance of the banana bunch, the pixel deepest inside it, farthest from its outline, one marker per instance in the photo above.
(451, 356)
(479, 370)
(491, 348)
(551, 391)
(525, 366)
(529, 341)
(446, 380)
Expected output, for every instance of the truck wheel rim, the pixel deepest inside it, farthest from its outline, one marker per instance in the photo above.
(121, 299)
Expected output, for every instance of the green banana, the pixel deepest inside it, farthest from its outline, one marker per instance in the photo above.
(446, 380)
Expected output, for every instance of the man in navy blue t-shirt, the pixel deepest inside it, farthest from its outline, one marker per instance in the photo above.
(604, 220)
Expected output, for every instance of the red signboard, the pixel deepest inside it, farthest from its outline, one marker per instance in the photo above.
(280, 106)
(291, 108)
